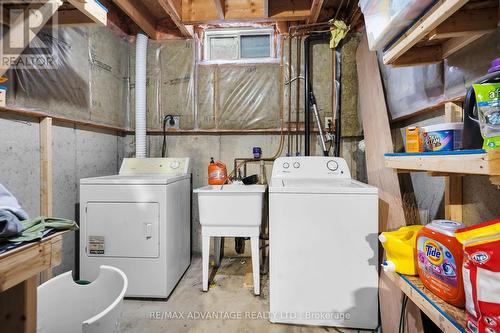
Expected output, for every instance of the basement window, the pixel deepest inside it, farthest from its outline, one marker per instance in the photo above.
(244, 45)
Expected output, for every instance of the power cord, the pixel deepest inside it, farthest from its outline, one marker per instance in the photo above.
(402, 317)
(171, 122)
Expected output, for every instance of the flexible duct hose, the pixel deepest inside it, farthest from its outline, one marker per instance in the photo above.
(141, 50)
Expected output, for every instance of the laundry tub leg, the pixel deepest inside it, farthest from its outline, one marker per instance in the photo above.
(205, 255)
(255, 264)
(217, 250)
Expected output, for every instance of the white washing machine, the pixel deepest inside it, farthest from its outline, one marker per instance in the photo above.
(323, 249)
(138, 221)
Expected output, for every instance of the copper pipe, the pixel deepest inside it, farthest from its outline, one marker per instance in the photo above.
(306, 26)
(289, 94)
(245, 160)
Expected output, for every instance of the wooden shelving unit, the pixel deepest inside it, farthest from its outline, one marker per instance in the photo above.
(447, 317)
(443, 30)
(18, 271)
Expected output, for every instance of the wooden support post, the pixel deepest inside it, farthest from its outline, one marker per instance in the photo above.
(378, 141)
(18, 307)
(46, 177)
(453, 184)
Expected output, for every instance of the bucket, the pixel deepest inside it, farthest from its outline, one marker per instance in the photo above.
(65, 306)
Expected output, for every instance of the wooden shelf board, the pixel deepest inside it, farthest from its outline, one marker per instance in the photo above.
(444, 29)
(88, 124)
(446, 316)
(39, 114)
(456, 162)
(19, 264)
(431, 108)
(92, 9)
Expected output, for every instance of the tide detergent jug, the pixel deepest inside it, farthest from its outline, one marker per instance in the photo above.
(217, 172)
(440, 257)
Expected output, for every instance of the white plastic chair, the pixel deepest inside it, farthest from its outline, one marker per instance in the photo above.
(67, 307)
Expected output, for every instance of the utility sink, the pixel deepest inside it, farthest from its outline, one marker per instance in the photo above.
(230, 211)
(230, 205)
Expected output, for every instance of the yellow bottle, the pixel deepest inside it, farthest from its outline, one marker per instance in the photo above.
(399, 248)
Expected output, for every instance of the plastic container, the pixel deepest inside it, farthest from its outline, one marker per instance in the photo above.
(443, 137)
(387, 19)
(399, 249)
(440, 257)
(217, 172)
(67, 307)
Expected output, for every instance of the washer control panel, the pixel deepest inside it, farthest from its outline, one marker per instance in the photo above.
(311, 167)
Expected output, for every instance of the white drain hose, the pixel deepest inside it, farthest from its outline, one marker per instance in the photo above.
(141, 50)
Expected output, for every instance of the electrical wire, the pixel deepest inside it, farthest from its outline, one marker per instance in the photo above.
(402, 314)
(164, 144)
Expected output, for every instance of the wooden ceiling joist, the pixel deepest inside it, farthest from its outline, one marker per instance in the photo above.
(296, 10)
(245, 10)
(220, 6)
(316, 7)
(140, 15)
(173, 9)
(203, 11)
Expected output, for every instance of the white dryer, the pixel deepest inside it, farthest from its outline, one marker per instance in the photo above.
(138, 221)
(323, 249)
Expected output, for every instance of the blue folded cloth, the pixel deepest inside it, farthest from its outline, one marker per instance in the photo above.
(9, 202)
(9, 224)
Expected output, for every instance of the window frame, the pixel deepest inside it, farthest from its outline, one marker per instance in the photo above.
(237, 33)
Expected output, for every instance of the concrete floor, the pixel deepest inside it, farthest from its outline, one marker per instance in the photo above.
(227, 296)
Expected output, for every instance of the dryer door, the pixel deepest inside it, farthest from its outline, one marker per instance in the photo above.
(122, 229)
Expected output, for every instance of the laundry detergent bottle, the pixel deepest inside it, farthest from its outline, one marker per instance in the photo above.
(399, 246)
(440, 257)
(217, 172)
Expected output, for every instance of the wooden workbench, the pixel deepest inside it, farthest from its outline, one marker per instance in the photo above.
(19, 268)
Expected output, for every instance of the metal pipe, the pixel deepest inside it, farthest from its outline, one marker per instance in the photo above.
(297, 97)
(321, 136)
(289, 148)
(338, 114)
(324, 37)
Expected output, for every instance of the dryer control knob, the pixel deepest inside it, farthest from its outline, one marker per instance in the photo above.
(332, 165)
(286, 165)
(175, 165)
(296, 165)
